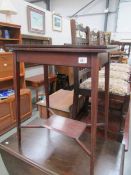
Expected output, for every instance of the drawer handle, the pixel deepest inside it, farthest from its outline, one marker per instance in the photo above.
(5, 64)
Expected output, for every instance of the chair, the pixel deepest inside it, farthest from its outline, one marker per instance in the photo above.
(119, 89)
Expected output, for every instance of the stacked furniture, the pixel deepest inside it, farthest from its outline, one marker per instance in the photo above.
(117, 102)
(123, 53)
(119, 93)
(83, 36)
(7, 106)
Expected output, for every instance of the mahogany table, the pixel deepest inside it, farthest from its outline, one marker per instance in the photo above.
(92, 57)
(50, 153)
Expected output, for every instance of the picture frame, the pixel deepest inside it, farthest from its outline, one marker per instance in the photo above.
(57, 22)
(36, 20)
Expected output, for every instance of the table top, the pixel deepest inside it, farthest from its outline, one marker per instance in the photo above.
(60, 48)
(59, 155)
(61, 55)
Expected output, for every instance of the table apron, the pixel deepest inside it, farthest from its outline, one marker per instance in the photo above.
(69, 59)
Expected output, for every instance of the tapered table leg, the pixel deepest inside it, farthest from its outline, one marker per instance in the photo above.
(94, 108)
(17, 96)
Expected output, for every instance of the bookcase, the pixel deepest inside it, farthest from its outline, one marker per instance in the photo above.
(11, 34)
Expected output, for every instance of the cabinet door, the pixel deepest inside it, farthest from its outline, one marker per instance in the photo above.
(5, 115)
(25, 104)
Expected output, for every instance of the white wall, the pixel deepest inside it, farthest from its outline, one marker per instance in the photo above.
(123, 30)
(21, 19)
(71, 7)
(68, 8)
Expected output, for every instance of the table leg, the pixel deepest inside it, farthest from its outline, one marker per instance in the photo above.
(46, 84)
(75, 96)
(106, 104)
(17, 96)
(94, 108)
(37, 96)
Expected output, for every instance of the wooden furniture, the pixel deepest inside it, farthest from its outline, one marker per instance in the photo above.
(7, 119)
(6, 58)
(10, 34)
(117, 56)
(50, 153)
(125, 140)
(80, 36)
(6, 71)
(68, 56)
(38, 81)
(8, 111)
(119, 97)
(68, 71)
(123, 53)
(35, 40)
(61, 103)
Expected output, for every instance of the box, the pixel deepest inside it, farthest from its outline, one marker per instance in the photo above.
(61, 103)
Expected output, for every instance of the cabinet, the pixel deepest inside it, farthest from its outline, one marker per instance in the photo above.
(10, 34)
(7, 110)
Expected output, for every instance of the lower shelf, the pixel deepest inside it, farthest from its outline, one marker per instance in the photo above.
(45, 152)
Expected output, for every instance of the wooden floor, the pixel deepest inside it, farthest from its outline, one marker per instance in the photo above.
(46, 152)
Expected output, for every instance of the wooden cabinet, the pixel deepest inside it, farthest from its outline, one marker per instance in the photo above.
(10, 34)
(7, 110)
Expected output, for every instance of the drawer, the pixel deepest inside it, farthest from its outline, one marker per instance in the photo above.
(6, 65)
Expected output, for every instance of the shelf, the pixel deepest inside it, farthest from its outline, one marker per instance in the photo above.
(69, 127)
(8, 39)
(9, 25)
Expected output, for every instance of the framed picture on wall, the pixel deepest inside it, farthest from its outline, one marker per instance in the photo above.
(57, 22)
(36, 20)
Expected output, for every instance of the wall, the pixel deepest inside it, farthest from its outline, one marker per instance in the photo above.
(93, 21)
(21, 19)
(124, 24)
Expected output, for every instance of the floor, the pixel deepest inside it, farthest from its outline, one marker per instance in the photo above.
(127, 167)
